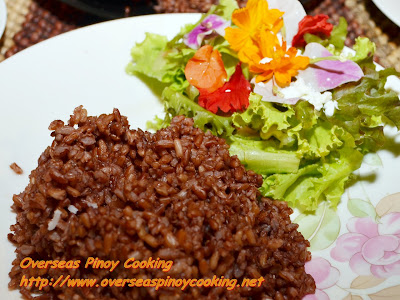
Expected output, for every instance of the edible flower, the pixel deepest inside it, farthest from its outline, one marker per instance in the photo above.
(209, 26)
(231, 97)
(328, 74)
(313, 83)
(205, 70)
(273, 60)
(294, 13)
(249, 20)
(316, 25)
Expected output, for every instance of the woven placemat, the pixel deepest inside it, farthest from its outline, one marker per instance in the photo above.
(377, 27)
(31, 21)
(16, 12)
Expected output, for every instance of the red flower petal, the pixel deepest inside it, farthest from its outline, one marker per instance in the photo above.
(231, 97)
(316, 25)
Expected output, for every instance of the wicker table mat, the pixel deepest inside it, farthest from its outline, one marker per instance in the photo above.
(32, 21)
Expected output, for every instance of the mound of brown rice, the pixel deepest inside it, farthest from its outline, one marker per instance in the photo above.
(103, 190)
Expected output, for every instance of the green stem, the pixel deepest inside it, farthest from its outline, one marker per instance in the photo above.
(265, 162)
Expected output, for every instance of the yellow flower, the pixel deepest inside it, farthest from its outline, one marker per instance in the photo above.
(272, 59)
(249, 20)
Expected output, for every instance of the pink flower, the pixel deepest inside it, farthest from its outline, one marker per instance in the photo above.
(325, 276)
(371, 248)
(210, 25)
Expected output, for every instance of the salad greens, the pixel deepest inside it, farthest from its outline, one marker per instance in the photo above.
(336, 39)
(164, 60)
(305, 155)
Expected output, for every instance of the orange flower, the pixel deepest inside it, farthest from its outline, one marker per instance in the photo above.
(249, 20)
(272, 59)
(205, 70)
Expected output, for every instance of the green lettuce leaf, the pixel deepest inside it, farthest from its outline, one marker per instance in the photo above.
(322, 139)
(229, 57)
(260, 157)
(148, 57)
(294, 128)
(339, 34)
(336, 39)
(154, 58)
(323, 180)
(264, 118)
(364, 48)
(365, 107)
(156, 124)
(225, 8)
(175, 103)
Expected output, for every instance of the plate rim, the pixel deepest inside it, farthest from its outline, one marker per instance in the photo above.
(391, 15)
(90, 27)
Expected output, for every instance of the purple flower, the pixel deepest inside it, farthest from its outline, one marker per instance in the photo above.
(371, 248)
(208, 26)
(328, 74)
(325, 276)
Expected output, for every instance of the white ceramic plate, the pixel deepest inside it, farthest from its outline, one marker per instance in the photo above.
(87, 66)
(391, 8)
(3, 17)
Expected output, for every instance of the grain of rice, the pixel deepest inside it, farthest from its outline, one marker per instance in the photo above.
(54, 221)
(17, 169)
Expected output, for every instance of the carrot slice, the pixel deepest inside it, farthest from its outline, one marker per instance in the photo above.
(205, 70)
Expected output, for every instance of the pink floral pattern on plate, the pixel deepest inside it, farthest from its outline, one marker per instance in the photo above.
(325, 276)
(370, 247)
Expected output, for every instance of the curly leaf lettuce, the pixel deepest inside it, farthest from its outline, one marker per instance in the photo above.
(319, 181)
(311, 159)
(336, 39)
(364, 48)
(176, 103)
(305, 157)
(296, 128)
(148, 57)
(155, 59)
(165, 61)
(365, 107)
(264, 118)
